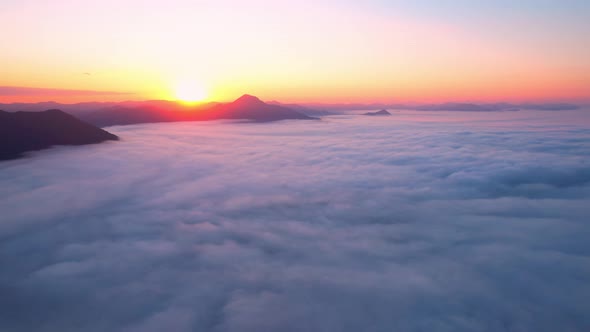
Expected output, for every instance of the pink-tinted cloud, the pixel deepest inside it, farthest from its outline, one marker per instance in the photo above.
(418, 221)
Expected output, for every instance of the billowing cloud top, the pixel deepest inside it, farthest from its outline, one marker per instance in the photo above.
(416, 222)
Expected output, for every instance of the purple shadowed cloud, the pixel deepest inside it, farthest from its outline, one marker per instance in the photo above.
(415, 222)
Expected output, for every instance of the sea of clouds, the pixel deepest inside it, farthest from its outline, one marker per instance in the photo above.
(414, 222)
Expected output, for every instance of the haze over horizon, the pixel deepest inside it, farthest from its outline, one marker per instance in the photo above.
(305, 51)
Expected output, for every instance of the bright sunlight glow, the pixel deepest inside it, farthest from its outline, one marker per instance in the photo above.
(190, 91)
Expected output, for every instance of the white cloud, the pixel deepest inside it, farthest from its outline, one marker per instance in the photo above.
(410, 223)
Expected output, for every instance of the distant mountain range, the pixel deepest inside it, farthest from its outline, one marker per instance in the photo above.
(34, 129)
(27, 127)
(327, 109)
(27, 131)
(246, 107)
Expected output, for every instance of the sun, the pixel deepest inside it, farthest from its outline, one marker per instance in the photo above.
(190, 91)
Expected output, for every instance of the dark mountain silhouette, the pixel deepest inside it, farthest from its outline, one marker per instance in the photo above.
(246, 107)
(28, 131)
(251, 108)
(68, 108)
(379, 113)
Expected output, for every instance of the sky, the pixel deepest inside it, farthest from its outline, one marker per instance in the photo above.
(422, 221)
(295, 51)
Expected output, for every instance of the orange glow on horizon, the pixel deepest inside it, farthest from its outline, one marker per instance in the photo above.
(341, 52)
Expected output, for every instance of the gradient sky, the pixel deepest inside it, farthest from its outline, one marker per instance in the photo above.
(296, 51)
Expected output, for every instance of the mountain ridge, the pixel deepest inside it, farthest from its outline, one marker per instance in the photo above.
(247, 107)
(22, 132)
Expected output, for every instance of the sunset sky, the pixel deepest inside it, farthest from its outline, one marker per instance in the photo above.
(295, 51)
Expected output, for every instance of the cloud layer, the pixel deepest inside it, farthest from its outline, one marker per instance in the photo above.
(417, 222)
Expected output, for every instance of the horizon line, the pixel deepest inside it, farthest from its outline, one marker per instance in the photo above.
(17, 91)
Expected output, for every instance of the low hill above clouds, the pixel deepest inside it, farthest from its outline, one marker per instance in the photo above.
(378, 113)
(27, 131)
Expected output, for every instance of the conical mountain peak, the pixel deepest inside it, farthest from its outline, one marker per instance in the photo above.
(249, 99)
